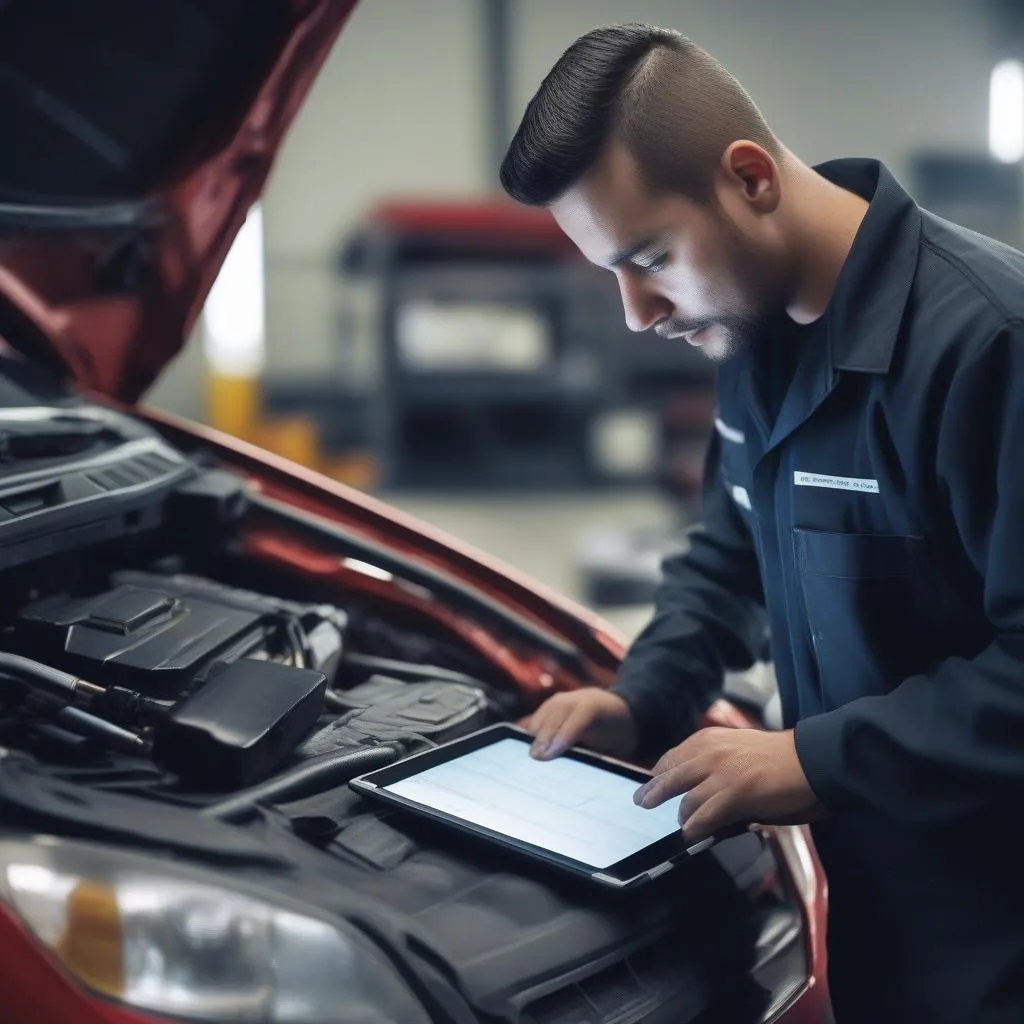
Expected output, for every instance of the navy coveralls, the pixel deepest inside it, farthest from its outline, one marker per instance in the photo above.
(877, 525)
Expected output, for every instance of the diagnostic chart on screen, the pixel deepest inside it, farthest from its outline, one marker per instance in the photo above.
(564, 806)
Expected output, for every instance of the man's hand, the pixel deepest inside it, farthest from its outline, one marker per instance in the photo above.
(732, 777)
(591, 716)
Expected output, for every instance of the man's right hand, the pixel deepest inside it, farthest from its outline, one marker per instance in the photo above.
(591, 716)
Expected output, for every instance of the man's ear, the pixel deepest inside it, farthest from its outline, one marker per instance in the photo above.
(752, 169)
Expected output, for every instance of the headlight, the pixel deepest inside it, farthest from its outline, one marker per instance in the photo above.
(157, 938)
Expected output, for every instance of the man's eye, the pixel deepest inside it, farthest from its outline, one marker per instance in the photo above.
(653, 263)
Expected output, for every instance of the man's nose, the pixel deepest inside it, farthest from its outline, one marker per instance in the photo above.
(641, 304)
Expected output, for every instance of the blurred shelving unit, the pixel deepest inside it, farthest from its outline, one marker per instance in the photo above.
(500, 361)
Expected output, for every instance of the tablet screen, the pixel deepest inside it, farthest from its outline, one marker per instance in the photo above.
(565, 806)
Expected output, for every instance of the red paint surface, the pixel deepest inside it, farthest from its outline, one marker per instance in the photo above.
(117, 345)
(34, 990)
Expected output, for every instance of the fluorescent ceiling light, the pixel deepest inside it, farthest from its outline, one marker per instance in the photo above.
(1006, 111)
(234, 318)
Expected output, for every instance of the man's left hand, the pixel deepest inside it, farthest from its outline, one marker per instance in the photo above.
(731, 777)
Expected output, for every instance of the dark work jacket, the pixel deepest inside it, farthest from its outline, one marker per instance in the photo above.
(877, 526)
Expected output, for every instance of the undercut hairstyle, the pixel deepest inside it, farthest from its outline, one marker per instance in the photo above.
(670, 103)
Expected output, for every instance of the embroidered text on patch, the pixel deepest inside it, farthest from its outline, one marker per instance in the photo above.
(835, 483)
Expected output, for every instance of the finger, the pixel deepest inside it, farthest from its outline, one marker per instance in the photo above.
(548, 727)
(696, 744)
(673, 782)
(714, 815)
(695, 799)
(533, 722)
(546, 721)
(668, 760)
(567, 733)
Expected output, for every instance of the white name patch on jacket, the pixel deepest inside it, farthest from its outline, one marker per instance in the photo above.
(835, 483)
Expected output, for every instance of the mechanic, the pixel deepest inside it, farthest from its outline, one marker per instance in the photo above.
(864, 503)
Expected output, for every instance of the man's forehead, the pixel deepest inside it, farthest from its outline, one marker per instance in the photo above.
(605, 231)
(609, 210)
(587, 223)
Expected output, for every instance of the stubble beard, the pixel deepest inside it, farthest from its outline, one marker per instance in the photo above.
(739, 329)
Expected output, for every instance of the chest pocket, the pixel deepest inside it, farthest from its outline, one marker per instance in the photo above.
(871, 609)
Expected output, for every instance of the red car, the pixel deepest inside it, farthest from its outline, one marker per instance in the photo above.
(200, 643)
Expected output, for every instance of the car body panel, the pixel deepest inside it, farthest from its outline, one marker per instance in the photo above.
(55, 280)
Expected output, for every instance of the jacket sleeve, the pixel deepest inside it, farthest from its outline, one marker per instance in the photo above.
(947, 747)
(709, 617)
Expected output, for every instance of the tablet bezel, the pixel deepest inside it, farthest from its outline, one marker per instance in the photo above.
(641, 866)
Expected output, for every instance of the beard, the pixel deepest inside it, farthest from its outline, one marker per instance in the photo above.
(735, 328)
(733, 331)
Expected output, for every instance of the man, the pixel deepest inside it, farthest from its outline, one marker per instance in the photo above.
(864, 499)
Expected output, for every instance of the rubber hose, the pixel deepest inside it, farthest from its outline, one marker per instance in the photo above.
(42, 677)
(306, 780)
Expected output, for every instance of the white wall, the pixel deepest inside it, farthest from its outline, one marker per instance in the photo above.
(875, 78)
(397, 109)
(400, 109)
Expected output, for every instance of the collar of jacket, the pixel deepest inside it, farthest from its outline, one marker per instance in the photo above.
(867, 307)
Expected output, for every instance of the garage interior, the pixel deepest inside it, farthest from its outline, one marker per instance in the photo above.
(207, 647)
(394, 324)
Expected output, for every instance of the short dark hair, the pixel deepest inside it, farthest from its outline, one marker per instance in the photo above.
(673, 106)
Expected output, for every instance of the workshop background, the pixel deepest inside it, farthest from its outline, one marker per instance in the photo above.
(387, 318)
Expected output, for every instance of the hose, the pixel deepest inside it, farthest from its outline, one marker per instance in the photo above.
(52, 681)
(313, 777)
(81, 722)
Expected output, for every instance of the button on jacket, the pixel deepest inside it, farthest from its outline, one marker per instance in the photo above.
(875, 525)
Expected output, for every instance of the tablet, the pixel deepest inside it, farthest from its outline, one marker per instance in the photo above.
(575, 812)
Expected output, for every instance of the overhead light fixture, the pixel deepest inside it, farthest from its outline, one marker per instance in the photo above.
(1006, 112)
(234, 318)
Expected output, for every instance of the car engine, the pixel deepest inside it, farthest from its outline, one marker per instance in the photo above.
(125, 641)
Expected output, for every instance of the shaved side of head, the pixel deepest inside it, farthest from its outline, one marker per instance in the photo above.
(673, 106)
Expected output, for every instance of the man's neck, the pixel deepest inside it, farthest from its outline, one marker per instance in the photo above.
(825, 221)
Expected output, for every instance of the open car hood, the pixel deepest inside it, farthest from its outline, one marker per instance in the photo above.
(136, 138)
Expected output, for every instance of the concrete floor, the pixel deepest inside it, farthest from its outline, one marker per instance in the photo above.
(543, 535)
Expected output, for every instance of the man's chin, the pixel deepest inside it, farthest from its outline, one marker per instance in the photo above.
(716, 343)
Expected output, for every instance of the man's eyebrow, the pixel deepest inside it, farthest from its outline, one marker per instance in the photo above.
(631, 251)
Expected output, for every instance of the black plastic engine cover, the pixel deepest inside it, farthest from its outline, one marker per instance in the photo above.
(149, 640)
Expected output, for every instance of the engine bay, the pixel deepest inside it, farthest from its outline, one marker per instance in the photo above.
(197, 656)
(215, 687)
(143, 643)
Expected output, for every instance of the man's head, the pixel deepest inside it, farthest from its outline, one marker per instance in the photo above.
(659, 166)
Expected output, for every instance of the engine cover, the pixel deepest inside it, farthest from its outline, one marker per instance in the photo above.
(163, 636)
